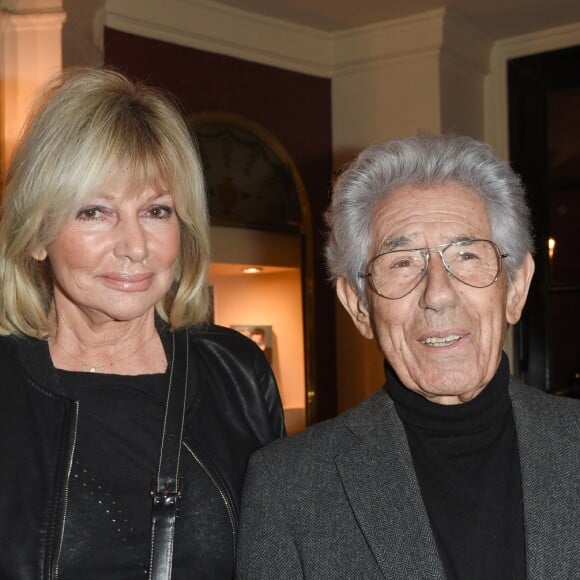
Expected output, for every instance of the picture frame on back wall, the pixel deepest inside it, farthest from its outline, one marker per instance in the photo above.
(261, 334)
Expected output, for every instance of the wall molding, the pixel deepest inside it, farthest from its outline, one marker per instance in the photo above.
(213, 27)
(35, 22)
(466, 43)
(28, 6)
(496, 89)
(362, 48)
(206, 25)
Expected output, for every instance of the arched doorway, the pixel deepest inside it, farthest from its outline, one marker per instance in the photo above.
(261, 219)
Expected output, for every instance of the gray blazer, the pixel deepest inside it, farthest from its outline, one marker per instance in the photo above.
(341, 500)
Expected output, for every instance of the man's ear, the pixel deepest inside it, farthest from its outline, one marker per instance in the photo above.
(518, 290)
(354, 305)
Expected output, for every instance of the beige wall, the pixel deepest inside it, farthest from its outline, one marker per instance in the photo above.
(271, 299)
(385, 102)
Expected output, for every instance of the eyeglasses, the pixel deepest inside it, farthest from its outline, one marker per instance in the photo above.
(395, 274)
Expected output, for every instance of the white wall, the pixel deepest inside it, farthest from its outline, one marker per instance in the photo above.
(273, 298)
(269, 300)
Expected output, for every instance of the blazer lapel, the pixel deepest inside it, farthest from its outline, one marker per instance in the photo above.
(549, 468)
(378, 478)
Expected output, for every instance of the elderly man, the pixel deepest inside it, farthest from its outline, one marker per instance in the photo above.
(454, 470)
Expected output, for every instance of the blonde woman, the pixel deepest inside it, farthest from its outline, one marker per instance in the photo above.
(126, 420)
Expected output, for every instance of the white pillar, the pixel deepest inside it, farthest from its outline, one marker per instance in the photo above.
(30, 53)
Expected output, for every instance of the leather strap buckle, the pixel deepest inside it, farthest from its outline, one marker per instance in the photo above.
(166, 488)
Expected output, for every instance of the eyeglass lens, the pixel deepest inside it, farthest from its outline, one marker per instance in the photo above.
(475, 263)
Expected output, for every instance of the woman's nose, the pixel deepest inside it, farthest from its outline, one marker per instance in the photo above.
(131, 240)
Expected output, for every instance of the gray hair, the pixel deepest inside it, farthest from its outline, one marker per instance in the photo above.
(425, 161)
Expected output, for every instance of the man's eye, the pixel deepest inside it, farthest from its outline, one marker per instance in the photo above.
(405, 263)
(466, 256)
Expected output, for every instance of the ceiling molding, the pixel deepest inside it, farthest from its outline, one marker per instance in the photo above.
(32, 21)
(466, 43)
(221, 29)
(542, 41)
(374, 45)
(496, 90)
(224, 30)
(31, 6)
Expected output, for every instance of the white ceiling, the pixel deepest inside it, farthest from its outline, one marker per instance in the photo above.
(496, 18)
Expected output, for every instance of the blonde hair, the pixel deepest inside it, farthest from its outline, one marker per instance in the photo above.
(88, 125)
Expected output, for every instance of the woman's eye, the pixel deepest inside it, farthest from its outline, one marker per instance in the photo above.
(160, 212)
(89, 213)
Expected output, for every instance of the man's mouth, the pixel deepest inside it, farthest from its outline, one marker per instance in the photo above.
(441, 341)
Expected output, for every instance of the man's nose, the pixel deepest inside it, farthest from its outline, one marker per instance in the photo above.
(439, 289)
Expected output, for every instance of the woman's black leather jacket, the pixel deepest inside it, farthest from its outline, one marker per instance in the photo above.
(233, 409)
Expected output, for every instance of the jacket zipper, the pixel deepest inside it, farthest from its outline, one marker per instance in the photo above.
(66, 490)
(223, 494)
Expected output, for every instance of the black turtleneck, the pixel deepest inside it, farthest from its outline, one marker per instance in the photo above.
(467, 464)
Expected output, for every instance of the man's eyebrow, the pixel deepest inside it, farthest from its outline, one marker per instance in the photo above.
(460, 239)
(395, 243)
(391, 244)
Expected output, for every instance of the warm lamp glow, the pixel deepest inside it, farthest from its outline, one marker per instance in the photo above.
(551, 247)
(252, 270)
(25, 67)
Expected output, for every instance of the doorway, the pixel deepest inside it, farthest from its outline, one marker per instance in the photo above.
(544, 112)
(261, 250)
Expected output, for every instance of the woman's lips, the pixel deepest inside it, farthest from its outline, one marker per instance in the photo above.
(127, 282)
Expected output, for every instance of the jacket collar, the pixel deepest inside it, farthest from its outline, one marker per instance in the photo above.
(378, 477)
(379, 480)
(35, 359)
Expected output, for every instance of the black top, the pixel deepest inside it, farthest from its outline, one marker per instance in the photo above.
(116, 453)
(467, 464)
(233, 408)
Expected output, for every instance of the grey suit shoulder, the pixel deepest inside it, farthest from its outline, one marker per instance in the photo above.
(341, 500)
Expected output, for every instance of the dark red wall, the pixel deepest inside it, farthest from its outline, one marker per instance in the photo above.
(295, 107)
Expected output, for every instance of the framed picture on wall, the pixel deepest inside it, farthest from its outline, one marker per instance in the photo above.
(261, 334)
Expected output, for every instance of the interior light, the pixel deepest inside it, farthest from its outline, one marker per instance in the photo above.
(252, 270)
(551, 247)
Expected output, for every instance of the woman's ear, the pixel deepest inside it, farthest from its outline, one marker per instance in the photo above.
(518, 290)
(355, 306)
(39, 253)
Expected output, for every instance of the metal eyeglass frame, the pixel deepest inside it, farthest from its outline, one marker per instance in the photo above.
(439, 249)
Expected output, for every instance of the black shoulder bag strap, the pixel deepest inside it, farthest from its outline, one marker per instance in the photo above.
(167, 484)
